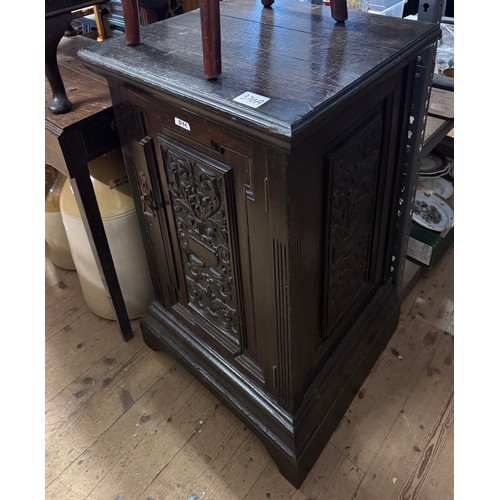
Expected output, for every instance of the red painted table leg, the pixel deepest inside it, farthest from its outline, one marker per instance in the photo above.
(339, 10)
(131, 18)
(210, 35)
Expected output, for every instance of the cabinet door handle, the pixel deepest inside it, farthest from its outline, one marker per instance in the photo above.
(146, 196)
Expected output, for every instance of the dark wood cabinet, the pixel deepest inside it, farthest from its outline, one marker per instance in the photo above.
(276, 231)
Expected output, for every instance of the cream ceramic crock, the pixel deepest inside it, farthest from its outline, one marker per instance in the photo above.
(55, 234)
(121, 226)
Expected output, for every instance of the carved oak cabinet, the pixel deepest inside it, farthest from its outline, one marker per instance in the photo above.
(275, 227)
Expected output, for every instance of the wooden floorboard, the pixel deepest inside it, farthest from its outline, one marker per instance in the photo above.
(124, 422)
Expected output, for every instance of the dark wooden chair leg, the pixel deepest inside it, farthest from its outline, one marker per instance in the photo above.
(210, 36)
(131, 19)
(55, 27)
(339, 10)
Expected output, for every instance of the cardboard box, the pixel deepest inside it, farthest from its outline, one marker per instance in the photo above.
(426, 247)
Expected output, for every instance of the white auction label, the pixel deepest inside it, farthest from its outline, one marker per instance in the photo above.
(419, 251)
(182, 123)
(251, 99)
(441, 102)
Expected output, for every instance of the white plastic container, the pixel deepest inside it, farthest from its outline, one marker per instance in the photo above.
(121, 226)
(393, 8)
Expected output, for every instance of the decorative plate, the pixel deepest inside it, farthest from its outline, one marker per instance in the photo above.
(431, 211)
(438, 185)
(433, 165)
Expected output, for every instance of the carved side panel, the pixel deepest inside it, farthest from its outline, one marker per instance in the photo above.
(202, 203)
(353, 175)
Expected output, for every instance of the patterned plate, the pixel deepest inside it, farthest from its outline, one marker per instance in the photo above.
(431, 211)
(438, 185)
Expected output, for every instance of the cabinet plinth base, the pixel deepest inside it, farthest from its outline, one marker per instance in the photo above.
(275, 205)
(293, 441)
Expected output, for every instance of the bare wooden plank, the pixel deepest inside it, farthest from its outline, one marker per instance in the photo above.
(63, 299)
(127, 457)
(432, 299)
(409, 449)
(223, 459)
(188, 420)
(243, 470)
(87, 407)
(333, 476)
(372, 414)
(74, 349)
(401, 474)
(435, 477)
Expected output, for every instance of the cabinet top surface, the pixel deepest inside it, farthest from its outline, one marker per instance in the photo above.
(294, 53)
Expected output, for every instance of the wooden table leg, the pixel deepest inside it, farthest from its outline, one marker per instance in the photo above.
(92, 221)
(101, 32)
(131, 19)
(339, 10)
(210, 35)
(55, 27)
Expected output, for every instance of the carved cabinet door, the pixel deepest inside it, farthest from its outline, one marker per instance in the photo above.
(203, 231)
(207, 218)
(200, 255)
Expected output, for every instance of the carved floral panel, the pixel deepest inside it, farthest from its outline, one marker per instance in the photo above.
(353, 189)
(198, 188)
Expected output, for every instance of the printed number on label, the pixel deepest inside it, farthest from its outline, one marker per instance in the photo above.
(182, 123)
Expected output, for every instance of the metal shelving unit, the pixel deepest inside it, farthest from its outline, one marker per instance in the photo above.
(437, 128)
